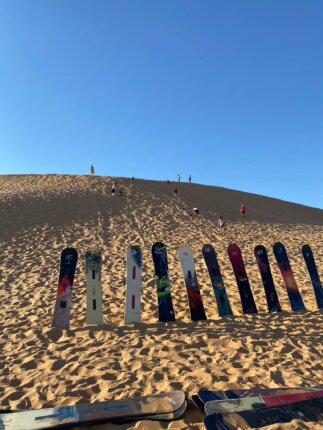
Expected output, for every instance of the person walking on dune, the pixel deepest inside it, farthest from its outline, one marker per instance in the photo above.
(178, 177)
(92, 170)
(113, 190)
(242, 210)
(220, 222)
(190, 179)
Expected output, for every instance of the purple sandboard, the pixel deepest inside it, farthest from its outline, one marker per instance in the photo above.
(247, 300)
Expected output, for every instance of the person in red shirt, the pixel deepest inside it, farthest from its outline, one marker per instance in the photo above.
(242, 209)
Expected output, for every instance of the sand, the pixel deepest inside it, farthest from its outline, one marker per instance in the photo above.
(40, 367)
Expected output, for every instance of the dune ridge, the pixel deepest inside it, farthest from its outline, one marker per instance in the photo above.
(40, 366)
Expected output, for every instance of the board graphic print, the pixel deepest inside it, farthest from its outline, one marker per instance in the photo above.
(160, 406)
(192, 287)
(312, 270)
(165, 305)
(294, 295)
(267, 279)
(213, 268)
(133, 292)
(93, 261)
(247, 300)
(62, 309)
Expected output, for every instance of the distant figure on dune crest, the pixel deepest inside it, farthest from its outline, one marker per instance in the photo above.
(113, 190)
(190, 179)
(132, 179)
(220, 222)
(242, 209)
(179, 177)
(168, 181)
(175, 192)
(196, 211)
(92, 170)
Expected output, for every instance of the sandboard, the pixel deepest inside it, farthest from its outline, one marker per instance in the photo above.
(146, 407)
(243, 404)
(294, 295)
(267, 279)
(93, 262)
(213, 268)
(165, 304)
(62, 311)
(192, 287)
(312, 270)
(247, 300)
(133, 291)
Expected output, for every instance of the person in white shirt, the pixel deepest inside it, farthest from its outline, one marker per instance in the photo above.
(220, 222)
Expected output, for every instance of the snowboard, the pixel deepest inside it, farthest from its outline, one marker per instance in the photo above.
(62, 311)
(165, 304)
(133, 291)
(242, 404)
(311, 410)
(93, 262)
(213, 268)
(193, 290)
(160, 406)
(294, 295)
(247, 300)
(215, 422)
(267, 279)
(312, 270)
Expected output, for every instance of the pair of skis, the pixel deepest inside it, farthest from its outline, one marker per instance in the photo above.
(259, 407)
(167, 406)
(62, 311)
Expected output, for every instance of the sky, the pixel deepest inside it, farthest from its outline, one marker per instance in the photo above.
(229, 91)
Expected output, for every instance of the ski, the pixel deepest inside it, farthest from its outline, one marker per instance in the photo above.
(133, 291)
(267, 279)
(94, 313)
(312, 270)
(160, 406)
(294, 295)
(213, 268)
(243, 404)
(165, 304)
(62, 311)
(193, 290)
(247, 300)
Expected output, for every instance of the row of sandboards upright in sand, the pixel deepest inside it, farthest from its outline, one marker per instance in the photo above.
(246, 408)
(94, 314)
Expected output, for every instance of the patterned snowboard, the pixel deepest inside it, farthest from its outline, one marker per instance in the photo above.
(165, 305)
(94, 313)
(159, 406)
(312, 270)
(213, 268)
(267, 279)
(62, 309)
(247, 300)
(193, 290)
(294, 295)
(133, 292)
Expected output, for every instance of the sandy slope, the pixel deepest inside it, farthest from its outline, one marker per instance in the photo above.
(40, 366)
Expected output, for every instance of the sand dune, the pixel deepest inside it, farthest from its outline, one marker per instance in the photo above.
(40, 366)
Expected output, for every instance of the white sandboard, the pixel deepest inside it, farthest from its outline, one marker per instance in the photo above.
(94, 313)
(133, 292)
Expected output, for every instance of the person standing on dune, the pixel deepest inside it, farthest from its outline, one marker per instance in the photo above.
(178, 177)
(190, 179)
(242, 210)
(92, 170)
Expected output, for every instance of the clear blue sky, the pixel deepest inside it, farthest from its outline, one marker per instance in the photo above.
(228, 91)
